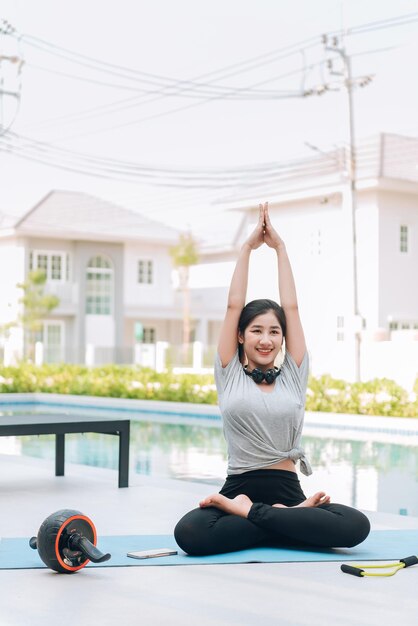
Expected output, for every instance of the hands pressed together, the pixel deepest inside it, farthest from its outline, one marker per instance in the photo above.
(264, 231)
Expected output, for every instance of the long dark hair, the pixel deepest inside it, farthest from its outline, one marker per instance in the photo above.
(259, 307)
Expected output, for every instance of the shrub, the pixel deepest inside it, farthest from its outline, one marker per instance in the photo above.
(111, 380)
(375, 397)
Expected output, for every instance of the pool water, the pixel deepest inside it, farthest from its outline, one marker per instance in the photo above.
(367, 474)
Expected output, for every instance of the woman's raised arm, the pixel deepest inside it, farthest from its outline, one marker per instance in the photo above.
(295, 338)
(228, 338)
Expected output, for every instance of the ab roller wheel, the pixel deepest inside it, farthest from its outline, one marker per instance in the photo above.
(66, 542)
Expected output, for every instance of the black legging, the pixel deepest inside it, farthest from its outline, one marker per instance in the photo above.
(212, 531)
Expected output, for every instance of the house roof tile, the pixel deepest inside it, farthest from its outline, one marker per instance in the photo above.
(70, 214)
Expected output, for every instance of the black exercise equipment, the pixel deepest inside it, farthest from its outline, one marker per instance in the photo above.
(259, 376)
(66, 542)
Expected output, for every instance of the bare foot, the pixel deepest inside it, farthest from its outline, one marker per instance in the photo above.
(315, 500)
(240, 505)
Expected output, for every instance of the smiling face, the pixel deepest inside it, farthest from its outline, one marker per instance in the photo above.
(262, 340)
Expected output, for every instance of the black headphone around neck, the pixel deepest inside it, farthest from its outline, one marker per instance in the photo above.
(258, 375)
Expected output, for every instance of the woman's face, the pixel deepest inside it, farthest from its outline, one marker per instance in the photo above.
(262, 341)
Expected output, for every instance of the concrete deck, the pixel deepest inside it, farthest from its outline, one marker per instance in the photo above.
(213, 595)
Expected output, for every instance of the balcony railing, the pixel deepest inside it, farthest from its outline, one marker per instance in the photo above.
(66, 292)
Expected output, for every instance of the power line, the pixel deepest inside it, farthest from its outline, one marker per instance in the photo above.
(48, 153)
(252, 94)
(289, 95)
(296, 94)
(109, 109)
(164, 81)
(182, 179)
(183, 88)
(246, 65)
(399, 20)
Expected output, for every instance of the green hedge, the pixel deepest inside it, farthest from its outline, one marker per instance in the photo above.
(115, 381)
(376, 397)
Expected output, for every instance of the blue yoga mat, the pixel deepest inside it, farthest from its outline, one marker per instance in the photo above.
(381, 545)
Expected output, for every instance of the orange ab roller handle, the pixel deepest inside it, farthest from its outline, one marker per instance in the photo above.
(66, 542)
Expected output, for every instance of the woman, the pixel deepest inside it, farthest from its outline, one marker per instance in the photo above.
(261, 502)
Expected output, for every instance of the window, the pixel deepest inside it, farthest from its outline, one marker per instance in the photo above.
(403, 239)
(53, 340)
(55, 264)
(99, 295)
(403, 325)
(42, 260)
(149, 335)
(340, 328)
(144, 334)
(145, 272)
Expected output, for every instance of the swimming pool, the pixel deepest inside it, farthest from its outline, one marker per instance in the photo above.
(360, 471)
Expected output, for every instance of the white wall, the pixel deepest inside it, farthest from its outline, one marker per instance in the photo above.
(398, 271)
(367, 222)
(211, 274)
(161, 292)
(12, 271)
(58, 245)
(396, 360)
(100, 330)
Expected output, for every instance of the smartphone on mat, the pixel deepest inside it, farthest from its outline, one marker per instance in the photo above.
(149, 554)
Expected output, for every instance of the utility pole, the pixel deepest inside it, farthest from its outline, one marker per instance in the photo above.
(10, 71)
(348, 83)
(352, 176)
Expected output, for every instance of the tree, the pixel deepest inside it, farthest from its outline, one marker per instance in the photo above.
(36, 306)
(185, 254)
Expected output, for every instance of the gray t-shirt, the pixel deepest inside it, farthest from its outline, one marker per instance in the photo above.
(262, 428)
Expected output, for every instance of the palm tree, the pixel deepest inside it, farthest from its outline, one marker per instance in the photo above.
(185, 254)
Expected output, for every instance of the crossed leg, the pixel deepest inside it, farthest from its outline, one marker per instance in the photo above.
(209, 530)
(225, 525)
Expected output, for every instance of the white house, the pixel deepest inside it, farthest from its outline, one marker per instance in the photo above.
(311, 207)
(112, 272)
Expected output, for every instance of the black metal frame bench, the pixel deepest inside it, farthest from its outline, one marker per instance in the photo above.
(60, 425)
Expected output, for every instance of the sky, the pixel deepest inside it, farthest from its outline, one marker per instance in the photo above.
(120, 50)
